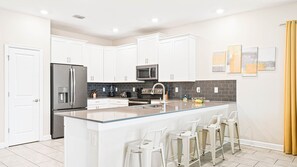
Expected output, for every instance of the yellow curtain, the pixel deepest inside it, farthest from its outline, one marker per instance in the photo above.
(290, 135)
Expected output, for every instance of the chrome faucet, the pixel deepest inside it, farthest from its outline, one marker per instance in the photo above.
(153, 91)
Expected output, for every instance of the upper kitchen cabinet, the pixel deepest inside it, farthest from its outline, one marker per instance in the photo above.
(93, 55)
(148, 49)
(126, 61)
(66, 51)
(180, 52)
(109, 63)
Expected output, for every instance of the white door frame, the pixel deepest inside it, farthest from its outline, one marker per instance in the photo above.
(6, 74)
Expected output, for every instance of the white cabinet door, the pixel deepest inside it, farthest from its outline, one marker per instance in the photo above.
(59, 51)
(165, 58)
(148, 50)
(75, 52)
(109, 64)
(180, 57)
(177, 59)
(126, 62)
(66, 51)
(94, 56)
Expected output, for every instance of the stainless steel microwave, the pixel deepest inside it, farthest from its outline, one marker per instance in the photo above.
(147, 72)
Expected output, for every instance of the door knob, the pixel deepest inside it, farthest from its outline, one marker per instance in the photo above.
(36, 100)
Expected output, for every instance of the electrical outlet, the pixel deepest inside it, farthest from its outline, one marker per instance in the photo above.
(216, 90)
(176, 89)
(198, 89)
(103, 89)
(133, 89)
(116, 89)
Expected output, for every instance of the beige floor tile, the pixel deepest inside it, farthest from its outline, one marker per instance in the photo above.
(283, 163)
(5, 153)
(51, 163)
(29, 154)
(13, 160)
(244, 161)
(52, 143)
(59, 156)
(40, 148)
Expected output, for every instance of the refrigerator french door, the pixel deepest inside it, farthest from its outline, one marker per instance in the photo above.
(68, 92)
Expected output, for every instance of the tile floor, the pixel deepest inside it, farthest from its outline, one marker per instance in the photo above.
(50, 154)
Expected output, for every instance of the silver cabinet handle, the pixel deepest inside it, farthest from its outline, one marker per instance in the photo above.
(36, 100)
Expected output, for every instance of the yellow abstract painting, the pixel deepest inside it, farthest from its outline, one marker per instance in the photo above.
(250, 61)
(219, 62)
(234, 59)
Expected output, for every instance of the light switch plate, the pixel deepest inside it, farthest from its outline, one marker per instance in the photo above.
(176, 89)
(198, 89)
(133, 89)
(116, 89)
(216, 90)
(103, 89)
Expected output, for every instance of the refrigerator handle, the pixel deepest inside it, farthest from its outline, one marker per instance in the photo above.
(71, 87)
(74, 86)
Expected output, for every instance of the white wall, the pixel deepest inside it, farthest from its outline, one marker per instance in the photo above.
(27, 31)
(260, 99)
(90, 39)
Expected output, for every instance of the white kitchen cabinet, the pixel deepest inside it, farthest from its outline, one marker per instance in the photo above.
(180, 52)
(148, 49)
(126, 61)
(66, 51)
(94, 61)
(109, 62)
(106, 103)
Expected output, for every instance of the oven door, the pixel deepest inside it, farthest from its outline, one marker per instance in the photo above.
(139, 102)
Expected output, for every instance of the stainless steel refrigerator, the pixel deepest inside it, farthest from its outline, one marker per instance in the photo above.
(68, 93)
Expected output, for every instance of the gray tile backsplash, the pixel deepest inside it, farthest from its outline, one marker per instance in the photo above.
(226, 89)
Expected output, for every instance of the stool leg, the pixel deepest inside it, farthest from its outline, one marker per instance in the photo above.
(186, 152)
(204, 137)
(198, 150)
(127, 159)
(147, 159)
(212, 136)
(231, 133)
(163, 157)
(179, 151)
(222, 146)
(223, 127)
(238, 135)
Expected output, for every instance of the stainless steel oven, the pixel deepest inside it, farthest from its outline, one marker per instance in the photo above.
(147, 72)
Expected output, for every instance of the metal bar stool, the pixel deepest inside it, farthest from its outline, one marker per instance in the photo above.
(184, 138)
(151, 142)
(213, 128)
(232, 123)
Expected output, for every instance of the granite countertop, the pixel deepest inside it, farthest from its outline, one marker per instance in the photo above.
(133, 112)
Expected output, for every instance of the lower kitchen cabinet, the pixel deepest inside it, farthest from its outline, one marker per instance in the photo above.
(106, 103)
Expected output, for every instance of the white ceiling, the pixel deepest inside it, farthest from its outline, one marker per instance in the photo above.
(131, 17)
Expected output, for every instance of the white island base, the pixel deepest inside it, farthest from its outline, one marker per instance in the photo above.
(94, 144)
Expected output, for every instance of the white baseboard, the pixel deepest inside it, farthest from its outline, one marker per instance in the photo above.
(2, 145)
(46, 137)
(260, 144)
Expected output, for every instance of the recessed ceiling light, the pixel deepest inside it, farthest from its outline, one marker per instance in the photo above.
(44, 12)
(78, 16)
(115, 30)
(155, 20)
(220, 11)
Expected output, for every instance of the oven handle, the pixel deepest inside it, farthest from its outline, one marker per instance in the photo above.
(138, 102)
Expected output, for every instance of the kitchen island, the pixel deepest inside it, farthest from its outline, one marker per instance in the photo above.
(98, 138)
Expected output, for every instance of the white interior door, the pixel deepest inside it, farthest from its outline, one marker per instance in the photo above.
(23, 101)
